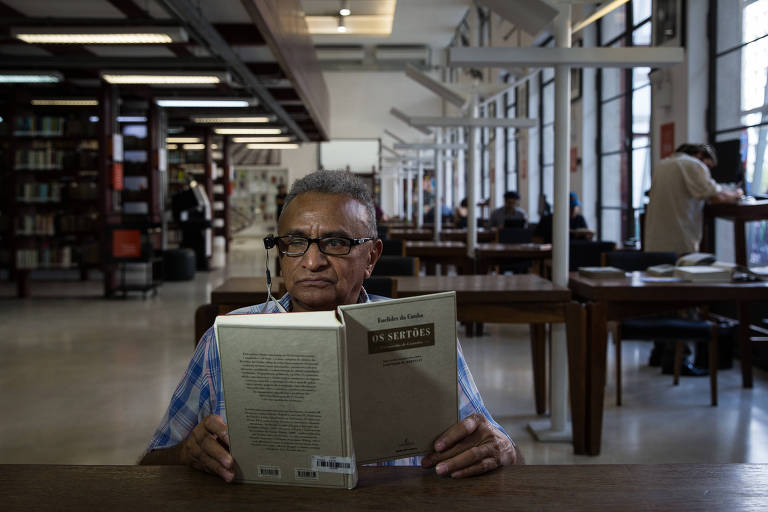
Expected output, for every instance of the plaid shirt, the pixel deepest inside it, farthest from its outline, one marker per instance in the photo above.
(200, 391)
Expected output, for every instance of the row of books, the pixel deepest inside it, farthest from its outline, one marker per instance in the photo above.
(39, 192)
(44, 257)
(51, 224)
(36, 225)
(48, 157)
(55, 126)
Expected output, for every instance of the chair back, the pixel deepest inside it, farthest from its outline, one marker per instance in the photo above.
(587, 253)
(382, 231)
(393, 247)
(397, 266)
(637, 260)
(205, 315)
(515, 235)
(381, 285)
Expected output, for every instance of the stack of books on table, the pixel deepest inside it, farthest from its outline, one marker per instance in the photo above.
(704, 273)
(601, 272)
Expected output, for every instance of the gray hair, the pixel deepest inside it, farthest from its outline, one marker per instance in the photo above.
(335, 182)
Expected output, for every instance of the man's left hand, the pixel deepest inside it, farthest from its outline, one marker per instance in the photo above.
(471, 447)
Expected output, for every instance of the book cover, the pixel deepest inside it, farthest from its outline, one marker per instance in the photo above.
(703, 273)
(601, 272)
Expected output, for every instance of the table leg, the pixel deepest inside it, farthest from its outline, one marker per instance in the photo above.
(740, 242)
(576, 318)
(597, 335)
(539, 361)
(744, 345)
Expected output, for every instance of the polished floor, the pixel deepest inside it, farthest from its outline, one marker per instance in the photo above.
(86, 380)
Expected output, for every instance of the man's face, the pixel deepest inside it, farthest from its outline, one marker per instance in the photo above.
(510, 204)
(316, 281)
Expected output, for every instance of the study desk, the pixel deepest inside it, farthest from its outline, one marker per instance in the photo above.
(739, 213)
(710, 487)
(410, 234)
(484, 235)
(431, 253)
(490, 255)
(486, 254)
(631, 296)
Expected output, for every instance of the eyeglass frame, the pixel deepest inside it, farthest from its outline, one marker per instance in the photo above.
(353, 242)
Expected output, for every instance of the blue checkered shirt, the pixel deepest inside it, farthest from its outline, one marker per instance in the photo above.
(200, 391)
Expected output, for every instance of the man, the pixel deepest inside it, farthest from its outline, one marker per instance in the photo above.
(325, 212)
(508, 214)
(681, 185)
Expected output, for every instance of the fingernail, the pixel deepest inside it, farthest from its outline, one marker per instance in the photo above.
(439, 446)
(440, 469)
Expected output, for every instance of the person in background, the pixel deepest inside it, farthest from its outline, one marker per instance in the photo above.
(460, 215)
(509, 212)
(280, 199)
(328, 246)
(577, 220)
(680, 187)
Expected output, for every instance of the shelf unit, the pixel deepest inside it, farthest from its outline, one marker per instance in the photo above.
(51, 177)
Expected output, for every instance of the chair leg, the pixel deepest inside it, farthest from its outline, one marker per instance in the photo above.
(678, 361)
(617, 341)
(713, 362)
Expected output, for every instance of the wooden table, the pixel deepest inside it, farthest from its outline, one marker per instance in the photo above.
(411, 234)
(709, 487)
(431, 253)
(237, 292)
(490, 255)
(617, 299)
(740, 213)
(484, 235)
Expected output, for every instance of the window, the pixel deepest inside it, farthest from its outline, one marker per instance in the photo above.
(624, 103)
(740, 96)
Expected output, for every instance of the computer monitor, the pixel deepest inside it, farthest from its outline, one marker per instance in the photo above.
(730, 164)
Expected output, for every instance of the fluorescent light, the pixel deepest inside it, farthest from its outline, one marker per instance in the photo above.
(273, 146)
(597, 15)
(344, 11)
(94, 119)
(163, 79)
(248, 131)
(182, 139)
(100, 35)
(202, 103)
(171, 146)
(65, 102)
(131, 119)
(242, 140)
(193, 146)
(221, 120)
(20, 77)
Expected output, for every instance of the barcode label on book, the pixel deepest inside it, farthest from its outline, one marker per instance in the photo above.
(344, 465)
(306, 474)
(269, 472)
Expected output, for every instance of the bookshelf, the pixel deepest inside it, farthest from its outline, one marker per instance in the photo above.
(50, 175)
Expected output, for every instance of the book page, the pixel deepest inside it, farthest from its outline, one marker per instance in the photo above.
(286, 401)
(402, 374)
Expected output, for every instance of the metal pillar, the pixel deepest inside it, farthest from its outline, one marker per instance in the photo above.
(439, 191)
(471, 188)
(420, 189)
(408, 195)
(558, 428)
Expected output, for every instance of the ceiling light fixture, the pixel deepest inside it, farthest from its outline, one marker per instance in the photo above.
(341, 27)
(100, 35)
(193, 146)
(273, 146)
(344, 11)
(21, 77)
(194, 103)
(248, 131)
(182, 139)
(246, 140)
(164, 78)
(597, 15)
(221, 120)
(131, 119)
(171, 146)
(65, 102)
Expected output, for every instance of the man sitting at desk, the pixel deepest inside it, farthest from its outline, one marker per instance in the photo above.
(510, 214)
(327, 247)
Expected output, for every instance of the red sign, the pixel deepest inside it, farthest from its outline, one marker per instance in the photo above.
(126, 243)
(667, 144)
(117, 175)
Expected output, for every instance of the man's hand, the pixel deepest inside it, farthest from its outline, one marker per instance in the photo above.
(471, 447)
(207, 448)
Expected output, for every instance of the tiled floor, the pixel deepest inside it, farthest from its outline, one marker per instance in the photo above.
(86, 381)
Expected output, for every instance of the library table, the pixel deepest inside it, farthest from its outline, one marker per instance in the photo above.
(430, 253)
(484, 235)
(739, 213)
(490, 255)
(710, 487)
(631, 296)
(410, 234)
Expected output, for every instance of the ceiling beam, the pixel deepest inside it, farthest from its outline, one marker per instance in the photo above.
(498, 57)
(240, 34)
(480, 122)
(185, 11)
(130, 9)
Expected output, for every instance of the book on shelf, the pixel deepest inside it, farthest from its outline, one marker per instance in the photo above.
(311, 395)
(601, 272)
(703, 273)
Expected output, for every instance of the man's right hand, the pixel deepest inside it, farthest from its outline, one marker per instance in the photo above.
(207, 448)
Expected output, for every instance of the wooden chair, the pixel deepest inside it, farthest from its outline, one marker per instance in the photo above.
(661, 328)
(381, 285)
(393, 247)
(397, 266)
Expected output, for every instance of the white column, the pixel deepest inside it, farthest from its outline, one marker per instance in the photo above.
(461, 172)
(559, 430)
(420, 189)
(408, 195)
(438, 207)
(472, 182)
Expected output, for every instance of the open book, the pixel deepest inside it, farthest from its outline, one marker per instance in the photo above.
(310, 395)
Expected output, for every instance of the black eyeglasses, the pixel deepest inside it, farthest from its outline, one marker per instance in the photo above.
(292, 245)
